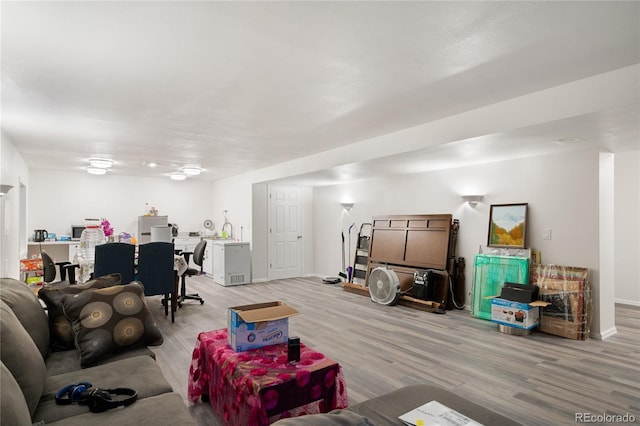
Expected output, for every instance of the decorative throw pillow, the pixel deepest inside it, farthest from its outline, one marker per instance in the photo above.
(61, 334)
(110, 320)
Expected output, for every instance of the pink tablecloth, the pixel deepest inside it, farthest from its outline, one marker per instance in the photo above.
(258, 386)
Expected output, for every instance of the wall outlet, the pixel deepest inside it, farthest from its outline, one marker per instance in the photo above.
(547, 234)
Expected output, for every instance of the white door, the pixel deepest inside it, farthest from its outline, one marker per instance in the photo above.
(285, 232)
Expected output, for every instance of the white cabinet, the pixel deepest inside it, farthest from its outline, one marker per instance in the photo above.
(144, 226)
(231, 263)
(74, 248)
(207, 262)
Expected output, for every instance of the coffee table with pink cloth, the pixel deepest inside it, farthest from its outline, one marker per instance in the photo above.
(259, 386)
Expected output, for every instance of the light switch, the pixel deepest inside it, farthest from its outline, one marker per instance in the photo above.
(547, 234)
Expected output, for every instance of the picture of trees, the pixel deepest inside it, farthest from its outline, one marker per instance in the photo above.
(507, 225)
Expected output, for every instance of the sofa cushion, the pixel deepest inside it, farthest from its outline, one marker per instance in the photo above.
(386, 409)
(163, 409)
(13, 407)
(25, 304)
(140, 373)
(334, 418)
(21, 356)
(110, 320)
(66, 361)
(61, 326)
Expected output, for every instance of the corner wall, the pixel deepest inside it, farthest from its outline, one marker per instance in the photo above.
(627, 227)
(60, 199)
(14, 171)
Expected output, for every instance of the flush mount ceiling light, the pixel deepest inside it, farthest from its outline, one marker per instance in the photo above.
(191, 171)
(101, 163)
(178, 176)
(96, 170)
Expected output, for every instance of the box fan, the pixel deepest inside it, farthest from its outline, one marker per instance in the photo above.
(384, 286)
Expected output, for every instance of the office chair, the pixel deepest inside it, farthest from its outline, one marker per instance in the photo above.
(115, 257)
(156, 273)
(49, 270)
(198, 257)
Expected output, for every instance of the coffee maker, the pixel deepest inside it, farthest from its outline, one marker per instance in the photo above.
(39, 235)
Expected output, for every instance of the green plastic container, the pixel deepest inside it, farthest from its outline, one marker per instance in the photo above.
(490, 272)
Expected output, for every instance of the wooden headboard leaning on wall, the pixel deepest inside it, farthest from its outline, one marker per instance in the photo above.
(406, 243)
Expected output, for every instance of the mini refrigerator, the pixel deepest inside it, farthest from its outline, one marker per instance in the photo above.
(231, 263)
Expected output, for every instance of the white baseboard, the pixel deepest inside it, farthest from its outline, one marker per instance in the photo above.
(628, 302)
(604, 334)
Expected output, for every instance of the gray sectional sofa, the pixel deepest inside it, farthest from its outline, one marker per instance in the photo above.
(385, 409)
(31, 374)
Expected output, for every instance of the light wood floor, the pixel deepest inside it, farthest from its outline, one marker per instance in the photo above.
(536, 380)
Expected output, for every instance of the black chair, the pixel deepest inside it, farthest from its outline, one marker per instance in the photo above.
(115, 257)
(156, 273)
(49, 270)
(198, 256)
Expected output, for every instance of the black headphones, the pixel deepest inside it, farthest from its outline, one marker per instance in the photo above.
(71, 393)
(97, 399)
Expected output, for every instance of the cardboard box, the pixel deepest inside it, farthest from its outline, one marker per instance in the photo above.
(257, 325)
(515, 314)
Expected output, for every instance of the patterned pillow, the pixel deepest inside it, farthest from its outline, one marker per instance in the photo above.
(62, 336)
(110, 320)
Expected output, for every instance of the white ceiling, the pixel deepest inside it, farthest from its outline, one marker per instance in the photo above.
(238, 86)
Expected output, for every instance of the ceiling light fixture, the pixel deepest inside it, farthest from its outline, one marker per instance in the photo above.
(178, 176)
(152, 164)
(101, 163)
(96, 170)
(191, 171)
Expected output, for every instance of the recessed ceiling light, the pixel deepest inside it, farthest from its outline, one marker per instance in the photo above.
(191, 171)
(96, 170)
(101, 163)
(178, 176)
(152, 164)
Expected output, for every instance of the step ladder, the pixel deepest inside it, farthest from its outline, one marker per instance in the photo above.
(361, 257)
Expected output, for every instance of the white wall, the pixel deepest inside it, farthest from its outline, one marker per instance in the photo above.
(627, 227)
(13, 171)
(60, 199)
(559, 189)
(562, 192)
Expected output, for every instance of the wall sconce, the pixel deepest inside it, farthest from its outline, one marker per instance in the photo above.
(347, 206)
(472, 200)
(4, 189)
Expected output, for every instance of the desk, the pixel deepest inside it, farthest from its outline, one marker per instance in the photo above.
(258, 386)
(59, 251)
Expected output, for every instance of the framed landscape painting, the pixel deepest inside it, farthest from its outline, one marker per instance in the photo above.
(508, 225)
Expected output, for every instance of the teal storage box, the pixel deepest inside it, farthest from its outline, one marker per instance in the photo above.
(257, 325)
(490, 272)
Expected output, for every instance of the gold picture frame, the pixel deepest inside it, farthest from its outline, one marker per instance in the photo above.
(508, 225)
